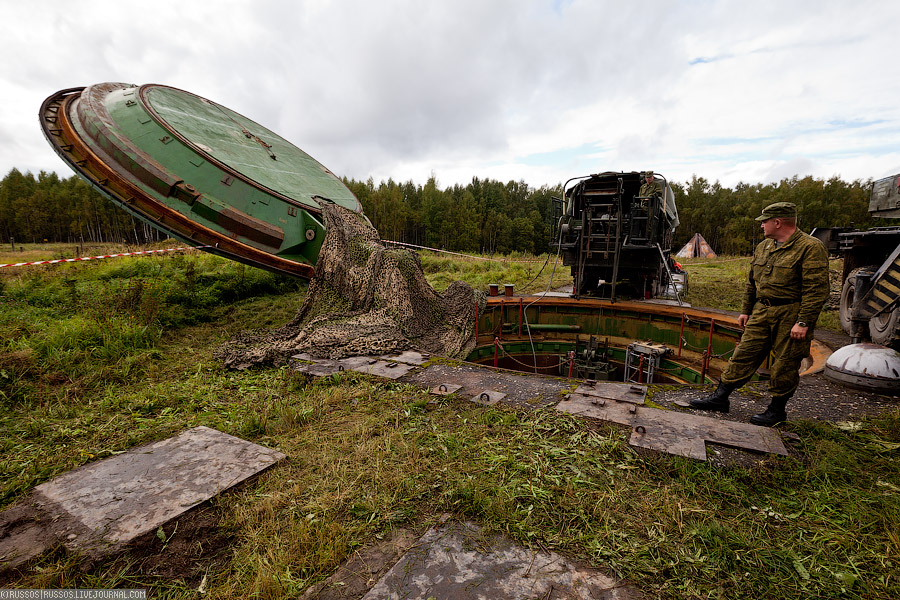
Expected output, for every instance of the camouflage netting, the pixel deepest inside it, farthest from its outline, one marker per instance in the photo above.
(365, 299)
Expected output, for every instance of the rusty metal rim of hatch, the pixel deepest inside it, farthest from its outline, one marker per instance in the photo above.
(142, 91)
(91, 167)
(725, 320)
(818, 350)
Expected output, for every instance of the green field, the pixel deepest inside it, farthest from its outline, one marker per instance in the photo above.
(100, 356)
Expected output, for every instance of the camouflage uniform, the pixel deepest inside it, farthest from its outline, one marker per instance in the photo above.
(654, 188)
(787, 284)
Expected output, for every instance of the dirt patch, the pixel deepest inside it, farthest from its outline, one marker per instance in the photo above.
(189, 548)
(364, 299)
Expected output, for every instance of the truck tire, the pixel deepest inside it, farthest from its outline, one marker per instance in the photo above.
(885, 328)
(848, 295)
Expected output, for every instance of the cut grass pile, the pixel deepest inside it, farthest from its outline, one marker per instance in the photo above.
(367, 456)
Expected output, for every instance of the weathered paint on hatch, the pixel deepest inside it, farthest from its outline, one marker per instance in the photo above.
(197, 171)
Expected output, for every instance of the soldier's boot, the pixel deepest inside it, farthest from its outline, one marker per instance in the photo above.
(717, 401)
(774, 414)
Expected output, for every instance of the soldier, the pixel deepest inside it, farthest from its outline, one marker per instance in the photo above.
(787, 287)
(650, 187)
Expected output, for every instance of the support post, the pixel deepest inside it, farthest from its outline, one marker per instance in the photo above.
(520, 317)
(707, 357)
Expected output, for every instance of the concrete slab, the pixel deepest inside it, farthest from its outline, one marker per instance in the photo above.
(101, 506)
(457, 561)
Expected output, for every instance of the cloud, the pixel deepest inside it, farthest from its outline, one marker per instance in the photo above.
(517, 89)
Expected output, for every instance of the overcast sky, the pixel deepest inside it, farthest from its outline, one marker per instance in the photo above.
(532, 90)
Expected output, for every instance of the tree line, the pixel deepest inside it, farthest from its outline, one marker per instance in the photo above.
(490, 216)
(485, 215)
(47, 207)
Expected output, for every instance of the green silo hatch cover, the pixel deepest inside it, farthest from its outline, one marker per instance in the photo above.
(197, 171)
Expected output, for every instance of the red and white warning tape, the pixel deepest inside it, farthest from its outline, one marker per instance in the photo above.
(62, 260)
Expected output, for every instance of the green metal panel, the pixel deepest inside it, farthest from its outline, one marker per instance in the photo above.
(238, 142)
(198, 171)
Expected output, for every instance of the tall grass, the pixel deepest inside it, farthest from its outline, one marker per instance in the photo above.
(527, 275)
(94, 322)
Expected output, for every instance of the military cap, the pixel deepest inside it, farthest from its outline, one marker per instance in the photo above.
(779, 210)
(648, 173)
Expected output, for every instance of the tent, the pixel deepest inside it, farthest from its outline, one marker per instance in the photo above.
(696, 247)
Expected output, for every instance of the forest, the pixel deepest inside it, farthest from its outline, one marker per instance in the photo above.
(484, 216)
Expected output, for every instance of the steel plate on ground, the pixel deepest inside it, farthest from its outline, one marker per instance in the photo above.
(682, 434)
(99, 507)
(623, 392)
(321, 368)
(460, 561)
(359, 364)
(445, 389)
(410, 357)
(488, 397)
(381, 368)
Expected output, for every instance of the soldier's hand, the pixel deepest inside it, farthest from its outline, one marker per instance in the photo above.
(798, 333)
(742, 321)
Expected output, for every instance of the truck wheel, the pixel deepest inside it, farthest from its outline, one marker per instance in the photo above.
(848, 295)
(885, 328)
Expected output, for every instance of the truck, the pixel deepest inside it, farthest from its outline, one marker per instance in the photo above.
(870, 290)
(613, 237)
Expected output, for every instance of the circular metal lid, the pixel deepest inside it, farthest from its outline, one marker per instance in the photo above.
(866, 366)
(250, 150)
(197, 171)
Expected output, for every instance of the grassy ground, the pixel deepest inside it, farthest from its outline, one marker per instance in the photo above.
(719, 283)
(98, 357)
(527, 275)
